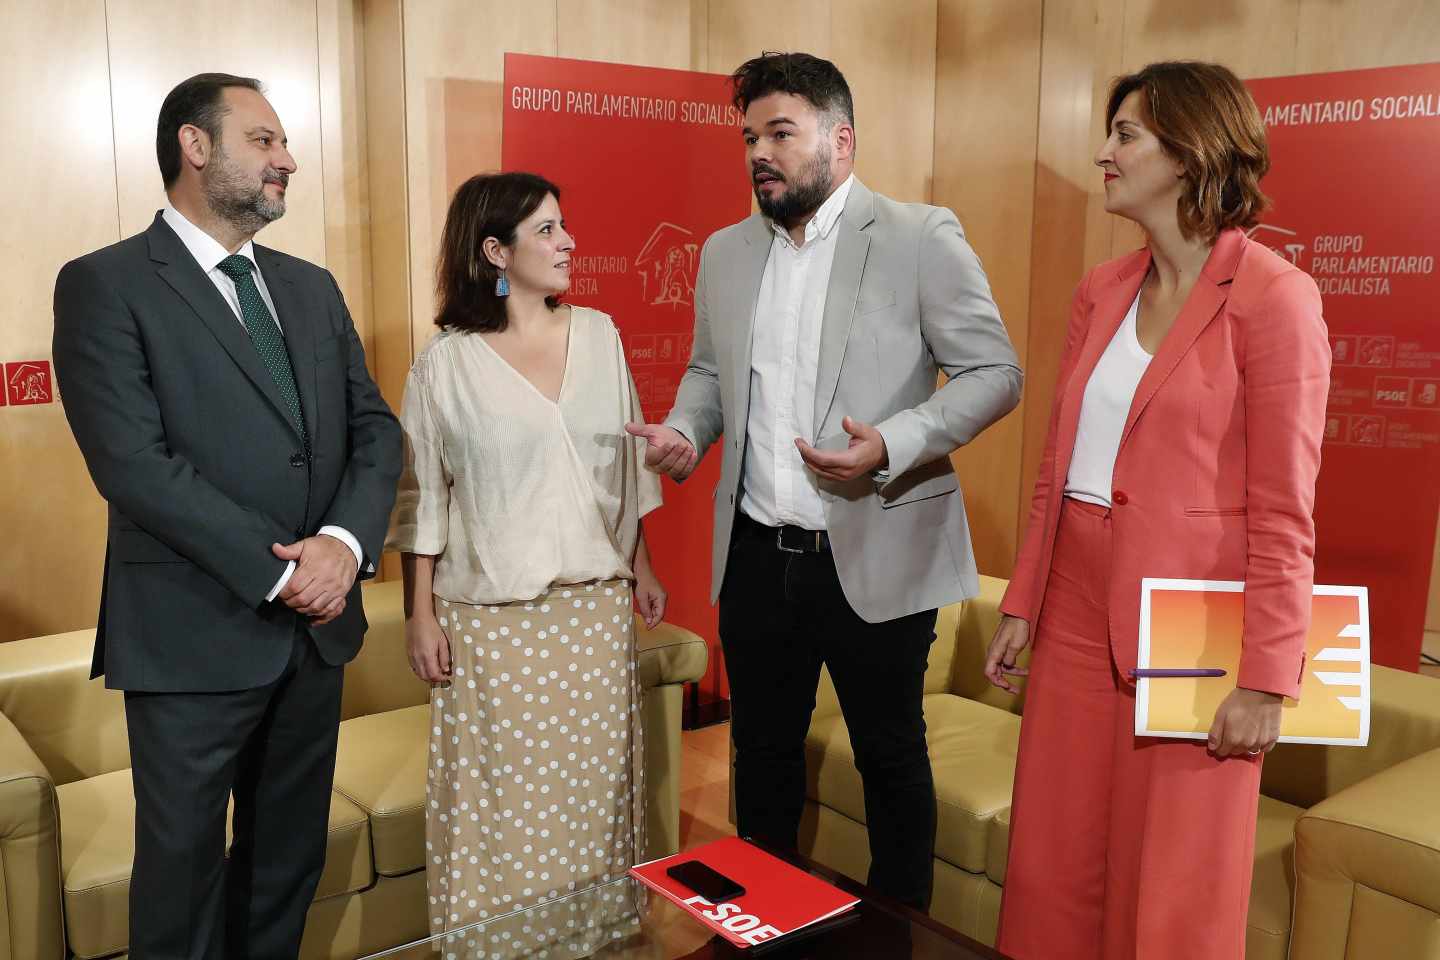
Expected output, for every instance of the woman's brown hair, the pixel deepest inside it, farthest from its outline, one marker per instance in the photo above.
(1206, 119)
(486, 205)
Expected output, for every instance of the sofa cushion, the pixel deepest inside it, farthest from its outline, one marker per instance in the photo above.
(97, 850)
(972, 751)
(380, 767)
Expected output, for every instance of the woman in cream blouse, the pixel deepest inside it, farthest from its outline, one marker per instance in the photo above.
(518, 521)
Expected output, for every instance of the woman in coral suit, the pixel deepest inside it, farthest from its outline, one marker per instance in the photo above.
(1184, 442)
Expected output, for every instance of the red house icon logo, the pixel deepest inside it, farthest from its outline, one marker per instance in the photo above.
(28, 382)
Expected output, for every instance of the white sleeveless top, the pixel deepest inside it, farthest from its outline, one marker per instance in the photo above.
(1103, 412)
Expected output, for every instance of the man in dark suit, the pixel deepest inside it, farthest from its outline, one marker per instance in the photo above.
(219, 394)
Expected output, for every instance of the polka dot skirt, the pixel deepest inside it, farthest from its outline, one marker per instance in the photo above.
(535, 786)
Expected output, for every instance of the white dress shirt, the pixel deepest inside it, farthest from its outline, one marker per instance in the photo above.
(785, 358)
(1103, 412)
(208, 253)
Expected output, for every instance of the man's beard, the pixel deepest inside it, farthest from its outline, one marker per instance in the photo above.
(235, 200)
(804, 194)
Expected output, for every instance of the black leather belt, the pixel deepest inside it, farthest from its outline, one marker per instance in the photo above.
(789, 538)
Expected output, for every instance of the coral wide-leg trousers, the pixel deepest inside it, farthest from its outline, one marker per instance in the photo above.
(1120, 847)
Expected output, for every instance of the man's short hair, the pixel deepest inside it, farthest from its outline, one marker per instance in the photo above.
(818, 81)
(199, 101)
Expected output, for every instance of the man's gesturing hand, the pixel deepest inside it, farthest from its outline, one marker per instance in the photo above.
(666, 449)
(865, 454)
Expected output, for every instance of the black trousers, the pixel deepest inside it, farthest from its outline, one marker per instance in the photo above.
(273, 748)
(783, 615)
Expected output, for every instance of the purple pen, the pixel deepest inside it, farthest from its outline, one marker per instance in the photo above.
(1167, 673)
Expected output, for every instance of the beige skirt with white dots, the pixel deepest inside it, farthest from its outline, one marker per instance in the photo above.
(536, 781)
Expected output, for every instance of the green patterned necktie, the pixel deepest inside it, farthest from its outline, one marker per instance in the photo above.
(264, 334)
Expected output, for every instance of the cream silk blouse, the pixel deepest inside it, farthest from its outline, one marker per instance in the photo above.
(510, 491)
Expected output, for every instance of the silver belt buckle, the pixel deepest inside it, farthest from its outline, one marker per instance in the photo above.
(780, 542)
(817, 534)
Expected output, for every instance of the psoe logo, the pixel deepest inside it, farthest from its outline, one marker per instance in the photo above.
(1392, 391)
(667, 264)
(1278, 239)
(28, 382)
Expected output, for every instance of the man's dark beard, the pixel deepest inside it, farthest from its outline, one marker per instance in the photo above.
(235, 201)
(803, 195)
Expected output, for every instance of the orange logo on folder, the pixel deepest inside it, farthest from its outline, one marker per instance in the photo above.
(1199, 624)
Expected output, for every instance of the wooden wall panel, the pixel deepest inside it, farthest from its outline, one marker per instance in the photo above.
(887, 53)
(1071, 229)
(59, 164)
(987, 94)
(389, 210)
(1354, 35)
(455, 47)
(1253, 39)
(153, 47)
(345, 168)
(647, 33)
(741, 29)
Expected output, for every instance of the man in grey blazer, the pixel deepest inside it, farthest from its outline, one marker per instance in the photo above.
(218, 392)
(821, 325)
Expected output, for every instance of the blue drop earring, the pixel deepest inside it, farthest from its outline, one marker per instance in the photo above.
(502, 285)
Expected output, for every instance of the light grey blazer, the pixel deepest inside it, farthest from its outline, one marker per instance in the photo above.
(907, 299)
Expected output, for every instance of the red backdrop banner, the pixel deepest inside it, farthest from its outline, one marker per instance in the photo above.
(1357, 206)
(650, 163)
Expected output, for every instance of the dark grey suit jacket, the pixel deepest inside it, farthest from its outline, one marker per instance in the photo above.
(187, 437)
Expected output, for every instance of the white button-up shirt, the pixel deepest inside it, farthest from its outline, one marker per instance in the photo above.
(208, 253)
(785, 357)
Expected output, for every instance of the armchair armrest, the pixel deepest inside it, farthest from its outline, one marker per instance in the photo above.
(1367, 864)
(32, 924)
(669, 654)
(74, 725)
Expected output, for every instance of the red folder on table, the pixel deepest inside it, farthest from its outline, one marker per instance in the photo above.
(779, 898)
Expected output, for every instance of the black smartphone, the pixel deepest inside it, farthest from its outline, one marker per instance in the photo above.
(706, 881)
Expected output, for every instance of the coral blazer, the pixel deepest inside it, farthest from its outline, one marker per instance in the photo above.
(1215, 476)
